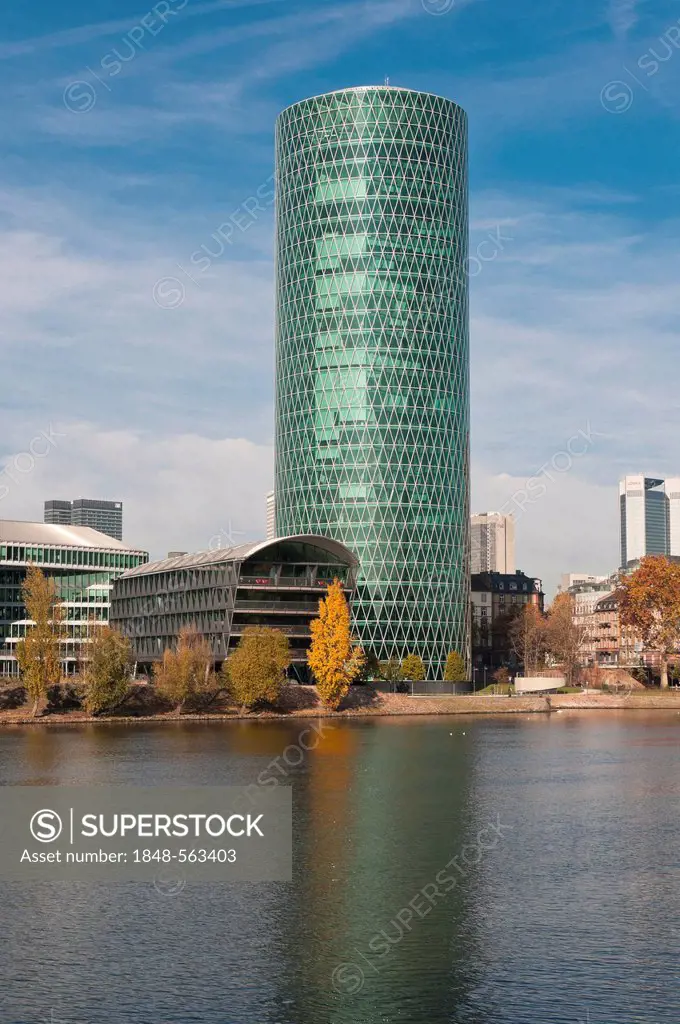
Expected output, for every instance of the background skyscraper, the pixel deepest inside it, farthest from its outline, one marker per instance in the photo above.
(672, 490)
(105, 516)
(492, 543)
(57, 513)
(372, 360)
(650, 517)
(271, 516)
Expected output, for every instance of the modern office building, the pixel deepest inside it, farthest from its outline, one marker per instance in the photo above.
(57, 513)
(496, 599)
(103, 516)
(83, 564)
(492, 542)
(276, 583)
(650, 517)
(372, 361)
(672, 490)
(271, 516)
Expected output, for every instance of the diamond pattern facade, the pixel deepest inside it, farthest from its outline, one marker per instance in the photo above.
(372, 355)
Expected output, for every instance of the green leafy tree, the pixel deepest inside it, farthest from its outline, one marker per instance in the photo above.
(454, 670)
(334, 658)
(185, 675)
(107, 673)
(412, 668)
(391, 671)
(255, 672)
(39, 653)
(371, 667)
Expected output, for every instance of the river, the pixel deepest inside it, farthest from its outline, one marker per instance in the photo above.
(562, 834)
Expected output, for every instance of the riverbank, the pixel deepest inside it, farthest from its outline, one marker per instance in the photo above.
(364, 702)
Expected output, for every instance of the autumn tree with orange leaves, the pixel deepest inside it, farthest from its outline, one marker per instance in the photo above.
(649, 603)
(527, 633)
(185, 674)
(335, 660)
(39, 652)
(564, 636)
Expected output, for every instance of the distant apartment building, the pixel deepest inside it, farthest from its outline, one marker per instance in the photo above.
(649, 517)
(103, 516)
(573, 579)
(492, 543)
(586, 592)
(496, 599)
(271, 516)
(595, 611)
(607, 643)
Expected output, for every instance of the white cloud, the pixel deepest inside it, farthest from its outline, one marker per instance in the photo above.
(622, 16)
(72, 37)
(180, 492)
(571, 527)
(573, 323)
(80, 328)
(116, 103)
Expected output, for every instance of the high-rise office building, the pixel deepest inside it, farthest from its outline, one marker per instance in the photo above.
(492, 543)
(57, 513)
(104, 516)
(271, 516)
(372, 360)
(650, 517)
(672, 489)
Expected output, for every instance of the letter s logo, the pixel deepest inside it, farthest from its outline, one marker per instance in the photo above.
(46, 826)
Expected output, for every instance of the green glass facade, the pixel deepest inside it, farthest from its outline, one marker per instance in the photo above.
(372, 355)
(83, 578)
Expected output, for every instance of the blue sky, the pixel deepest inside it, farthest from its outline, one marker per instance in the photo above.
(132, 132)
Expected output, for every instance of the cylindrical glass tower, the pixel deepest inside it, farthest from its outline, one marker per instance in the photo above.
(372, 355)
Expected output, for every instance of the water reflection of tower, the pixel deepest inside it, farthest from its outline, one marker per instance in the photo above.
(383, 816)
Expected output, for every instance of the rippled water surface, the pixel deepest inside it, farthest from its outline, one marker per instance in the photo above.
(565, 840)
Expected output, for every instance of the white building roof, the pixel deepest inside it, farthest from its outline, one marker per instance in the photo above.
(13, 531)
(240, 553)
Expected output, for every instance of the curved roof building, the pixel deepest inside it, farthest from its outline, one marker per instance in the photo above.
(269, 583)
(83, 564)
(372, 375)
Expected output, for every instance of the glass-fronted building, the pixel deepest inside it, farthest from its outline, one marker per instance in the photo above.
(274, 583)
(650, 517)
(372, 360)
(83, 564)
